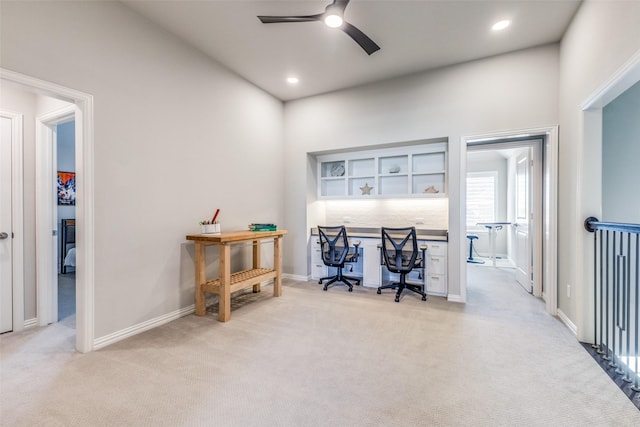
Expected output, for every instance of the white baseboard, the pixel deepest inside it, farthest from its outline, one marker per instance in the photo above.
(30, 323)
(455, 298)
(296, 277)
(141, 327)
(568, 323)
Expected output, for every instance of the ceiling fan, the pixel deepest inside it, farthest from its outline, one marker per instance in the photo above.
(333, 17)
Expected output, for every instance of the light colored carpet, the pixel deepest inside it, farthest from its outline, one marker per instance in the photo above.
(314, 358)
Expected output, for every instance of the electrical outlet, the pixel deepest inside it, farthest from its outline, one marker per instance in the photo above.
(419, 221)
(568, 290)
(346, 220)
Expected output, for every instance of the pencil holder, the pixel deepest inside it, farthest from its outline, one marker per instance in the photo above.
(210, 228)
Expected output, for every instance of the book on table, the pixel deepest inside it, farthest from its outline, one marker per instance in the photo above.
(262, 227)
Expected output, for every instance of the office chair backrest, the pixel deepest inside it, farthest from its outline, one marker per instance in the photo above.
(334, 244)
(399, 248)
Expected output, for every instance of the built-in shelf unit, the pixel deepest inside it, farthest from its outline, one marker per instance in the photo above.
(408, 171)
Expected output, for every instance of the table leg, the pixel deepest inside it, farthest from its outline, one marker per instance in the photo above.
(201, 268)
(493, 245)
(224, 303)
(256, 261)
(277, 266)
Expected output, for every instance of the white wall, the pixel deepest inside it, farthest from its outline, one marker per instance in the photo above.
(602, 37)
(513, 91)
(620, 156)
(176, 136)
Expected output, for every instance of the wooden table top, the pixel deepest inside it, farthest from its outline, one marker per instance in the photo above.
(235, 236)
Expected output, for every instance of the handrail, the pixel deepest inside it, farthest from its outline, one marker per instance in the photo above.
(592, 224)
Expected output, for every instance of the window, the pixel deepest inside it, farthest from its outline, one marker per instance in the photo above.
(481, 197)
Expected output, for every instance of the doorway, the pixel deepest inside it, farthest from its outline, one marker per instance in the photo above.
(542, 222)
(50, 181)
(82, 106)
(504, 209)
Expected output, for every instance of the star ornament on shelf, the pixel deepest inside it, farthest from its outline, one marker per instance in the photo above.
(366, 190)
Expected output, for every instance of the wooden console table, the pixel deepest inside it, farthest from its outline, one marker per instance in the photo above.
(228, 282)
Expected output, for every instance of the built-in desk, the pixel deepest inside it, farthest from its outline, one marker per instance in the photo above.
(369, 265)
(228, 282)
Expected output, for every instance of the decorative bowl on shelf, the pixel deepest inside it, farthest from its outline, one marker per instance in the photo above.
(337, 170)
(431, 189)
(394, 169)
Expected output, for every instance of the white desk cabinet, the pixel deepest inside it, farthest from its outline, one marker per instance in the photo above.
(435, 273)
(369, 266)
(319, 270)
(436, 267)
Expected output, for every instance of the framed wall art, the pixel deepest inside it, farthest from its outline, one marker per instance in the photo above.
(66, 188)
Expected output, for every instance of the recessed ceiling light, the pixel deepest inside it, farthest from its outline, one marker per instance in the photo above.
(292, 80)
(501, 25)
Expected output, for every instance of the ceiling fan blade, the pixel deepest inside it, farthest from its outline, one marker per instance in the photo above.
(361, 38)
(340, 4)
(281, 19)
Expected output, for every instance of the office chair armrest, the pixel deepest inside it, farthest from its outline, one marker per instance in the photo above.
(356, 254)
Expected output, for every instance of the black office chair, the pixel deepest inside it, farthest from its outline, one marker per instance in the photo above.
(334, 247)
(401, 255)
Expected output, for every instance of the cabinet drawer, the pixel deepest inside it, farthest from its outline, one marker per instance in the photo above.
(318, 271)
(436, 265)
(436, 248)
(436, 284)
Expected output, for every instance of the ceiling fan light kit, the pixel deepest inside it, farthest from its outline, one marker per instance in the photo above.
(332, 17)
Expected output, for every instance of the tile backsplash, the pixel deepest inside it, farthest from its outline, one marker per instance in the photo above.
(430, 213)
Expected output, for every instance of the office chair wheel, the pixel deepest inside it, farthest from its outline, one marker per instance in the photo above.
(379, 291)
(397, 298)
(424, 297)
(350, 289)
(320, 282)
(324, 288)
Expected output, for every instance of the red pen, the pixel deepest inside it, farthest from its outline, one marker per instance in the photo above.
(215, 216)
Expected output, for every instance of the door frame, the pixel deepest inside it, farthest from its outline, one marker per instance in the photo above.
(85, 274)
(589, 179)
(548, 238)
(46, 212)
(17, 219)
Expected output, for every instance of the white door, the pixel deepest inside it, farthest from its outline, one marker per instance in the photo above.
(6, 248)
(522, 246)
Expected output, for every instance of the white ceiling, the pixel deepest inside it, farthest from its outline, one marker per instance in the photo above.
(414, 35)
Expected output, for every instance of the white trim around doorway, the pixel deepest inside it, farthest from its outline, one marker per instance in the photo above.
(85, 201)
(46, 215)
(589, 178)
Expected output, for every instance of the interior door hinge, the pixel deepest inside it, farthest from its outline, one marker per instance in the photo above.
(54, 233)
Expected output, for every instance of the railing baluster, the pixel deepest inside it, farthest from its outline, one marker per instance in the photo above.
(636, 383)
(627, 311)
(601, 291)
(607, 350)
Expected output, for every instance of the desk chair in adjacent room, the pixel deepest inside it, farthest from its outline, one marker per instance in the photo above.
(334, 247)
(471, 259)
(400, 255)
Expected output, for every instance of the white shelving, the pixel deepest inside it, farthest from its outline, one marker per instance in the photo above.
(413, 171)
